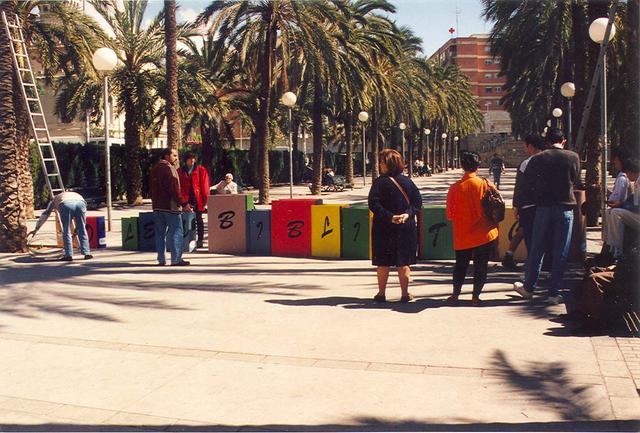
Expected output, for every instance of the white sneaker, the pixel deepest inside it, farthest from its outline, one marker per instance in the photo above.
(519, 287)
(554, 300)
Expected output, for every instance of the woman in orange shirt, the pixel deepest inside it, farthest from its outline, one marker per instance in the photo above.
(472, 232)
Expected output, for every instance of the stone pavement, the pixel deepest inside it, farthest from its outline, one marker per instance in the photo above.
(260, 343)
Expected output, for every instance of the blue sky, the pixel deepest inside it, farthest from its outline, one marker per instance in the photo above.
(429, 19)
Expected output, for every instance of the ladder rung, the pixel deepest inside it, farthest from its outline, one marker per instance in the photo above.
(37, 114)
(48, 159)
(13, 26)
(24, 69)
(53, 174)
(17, 40)
(21, 55)
(29, 84)
(40, 129)
(32, 99)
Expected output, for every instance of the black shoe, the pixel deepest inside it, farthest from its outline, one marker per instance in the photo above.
(379, 298)
(66, 259)
(200, 245)
(508, 262)
(88, 256)
(161, 264)
(181, 263)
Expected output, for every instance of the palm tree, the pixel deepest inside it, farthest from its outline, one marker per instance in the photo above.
(173, 118)
(65, 26)
(536, 67)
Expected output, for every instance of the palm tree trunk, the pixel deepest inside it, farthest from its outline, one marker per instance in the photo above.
(374, 145)
(348, 139)
(23, 131)
(13, 229)
(316, 116)
(172, 107)
(132, 152)
(262, 127)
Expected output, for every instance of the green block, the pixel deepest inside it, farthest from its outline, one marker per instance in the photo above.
(250, 205)
(355, 233)
(436, 234)
(130, 234)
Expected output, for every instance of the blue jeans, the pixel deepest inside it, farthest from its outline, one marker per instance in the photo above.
(496, 177)
(168, 234)
(74, 210)
(551, 228)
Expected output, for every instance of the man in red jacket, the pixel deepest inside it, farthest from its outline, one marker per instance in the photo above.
(194, 189)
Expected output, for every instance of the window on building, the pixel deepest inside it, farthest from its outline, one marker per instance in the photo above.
(488, 90)
(487, 48)
(498, 89)
(487, 61)
(488, 75)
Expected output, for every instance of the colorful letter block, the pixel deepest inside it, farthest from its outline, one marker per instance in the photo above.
(436, 234)
(259, 232)
(228, 223)
(356, 232)
(146, 233)
(96, 232)
(507, 230)
(325, 230)
(130, 233)
(291, 227)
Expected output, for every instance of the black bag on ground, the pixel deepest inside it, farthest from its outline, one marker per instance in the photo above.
(492, 203)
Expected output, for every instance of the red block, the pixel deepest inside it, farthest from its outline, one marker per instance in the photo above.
(96, 232)
(291, 227)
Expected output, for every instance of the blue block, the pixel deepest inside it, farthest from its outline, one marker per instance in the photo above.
(147, 237)
(259, 232)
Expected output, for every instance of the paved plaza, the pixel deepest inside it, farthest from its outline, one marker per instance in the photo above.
(244, 343)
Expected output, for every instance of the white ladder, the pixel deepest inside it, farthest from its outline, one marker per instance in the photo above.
(34, 106)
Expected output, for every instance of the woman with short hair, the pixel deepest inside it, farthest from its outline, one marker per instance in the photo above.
(395, 201)
(473, 233)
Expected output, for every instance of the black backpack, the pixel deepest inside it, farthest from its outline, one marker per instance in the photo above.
(492, 204)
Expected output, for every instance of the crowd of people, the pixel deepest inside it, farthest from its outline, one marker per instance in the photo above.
(544, 203)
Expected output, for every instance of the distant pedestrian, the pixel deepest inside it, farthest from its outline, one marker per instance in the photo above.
(70, 206)
(554, 173)
(496, 166)
(168, 204)
(524, 199)
(473, 233)
(226, 185)
(395, 201)
(194, 188)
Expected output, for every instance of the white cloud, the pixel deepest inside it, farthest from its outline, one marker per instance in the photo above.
(188, 15)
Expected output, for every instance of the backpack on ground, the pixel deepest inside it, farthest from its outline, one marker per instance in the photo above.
(492, 203)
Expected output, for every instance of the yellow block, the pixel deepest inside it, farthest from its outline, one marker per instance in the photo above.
(325, 230)
(507, 229)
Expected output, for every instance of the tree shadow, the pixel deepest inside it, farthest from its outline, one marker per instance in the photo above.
(546, 383)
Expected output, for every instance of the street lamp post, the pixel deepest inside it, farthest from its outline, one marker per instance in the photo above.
(289, 100)
(363, 116)
(427, 132)
(402, 127)
(105, 61)
(557, 114)
(568, 90)
(597, 33)
(455, 149)
(444, 151)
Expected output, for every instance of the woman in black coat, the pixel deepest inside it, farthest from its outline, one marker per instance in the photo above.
(395, 201)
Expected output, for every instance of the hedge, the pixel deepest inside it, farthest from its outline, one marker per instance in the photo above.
(82, 167)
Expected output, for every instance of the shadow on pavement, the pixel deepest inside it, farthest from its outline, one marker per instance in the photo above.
(359, 424)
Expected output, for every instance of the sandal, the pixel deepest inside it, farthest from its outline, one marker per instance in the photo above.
(452, 300)
(407, 298)
(380, 298)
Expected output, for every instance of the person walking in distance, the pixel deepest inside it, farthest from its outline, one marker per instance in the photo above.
(523, 199)
(194, 189)
(167, 206)
(496, 166)
(70, 206)
(473, 233)
(395, 201)
(554, 173)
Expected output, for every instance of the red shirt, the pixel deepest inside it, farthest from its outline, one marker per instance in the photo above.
(199, 180)
(470, 226)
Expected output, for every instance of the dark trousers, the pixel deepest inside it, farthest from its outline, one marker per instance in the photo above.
(200, 226)
(525, 219)
(480, 257)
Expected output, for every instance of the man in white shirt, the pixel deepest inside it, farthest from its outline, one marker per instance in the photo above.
(227, 185)
(70, 206)
(627, 214)
(615, 200)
